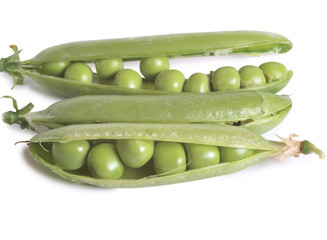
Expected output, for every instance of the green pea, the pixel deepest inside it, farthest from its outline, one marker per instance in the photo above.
(79, 72)
(151, 66)
(251, 76)
(70, 155)
(273, 70)
(170, 80)
(135, 153)
(55, 68)
(225, 78)
(103, 162)
(229, 154)
(128, 78)
(199, 155)
(169, 158)
(197, 82)
(107, 68)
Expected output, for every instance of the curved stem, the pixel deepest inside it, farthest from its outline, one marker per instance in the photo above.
(293, 148)
(12, 66)
(18, 116)
(307, 148)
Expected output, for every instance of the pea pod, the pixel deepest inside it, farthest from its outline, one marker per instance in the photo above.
(208, 134)
(172, 46)
(259, 111)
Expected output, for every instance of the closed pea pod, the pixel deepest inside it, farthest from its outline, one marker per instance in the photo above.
(258, 111)
(168, 46)
(204, 134)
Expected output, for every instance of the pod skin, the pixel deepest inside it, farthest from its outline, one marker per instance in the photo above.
(218, 135)
(172, 45)
(258, 111)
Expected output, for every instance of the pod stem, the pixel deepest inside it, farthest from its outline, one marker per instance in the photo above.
(294, 148)
(12, 66)
(18, 116)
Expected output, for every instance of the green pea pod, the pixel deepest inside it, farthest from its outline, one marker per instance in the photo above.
(259, 111)
(209, 134)
(172, 46)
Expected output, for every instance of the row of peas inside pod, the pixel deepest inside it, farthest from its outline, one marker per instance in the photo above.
(158, 75)
(132, 158)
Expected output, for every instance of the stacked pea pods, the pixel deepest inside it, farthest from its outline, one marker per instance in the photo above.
(121, 129)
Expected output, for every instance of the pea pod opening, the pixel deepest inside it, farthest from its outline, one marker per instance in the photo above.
(259, 111)
(171, 45)
(208, 134)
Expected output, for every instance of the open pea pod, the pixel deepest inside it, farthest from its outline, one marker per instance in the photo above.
(171, 46)
(258, 111)
(41, 149)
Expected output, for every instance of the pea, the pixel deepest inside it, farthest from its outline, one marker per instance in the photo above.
(169, 158)
(55, 68)
(79, 72)
(225, 78)
(151, 66)
(107, 68)
(128, 78)
(135, 153)
(103, 162)
(251, 76)
(170, 80)
(230, 154)
(199, 155)
(273, 70)
(70, 155)
(197, 82)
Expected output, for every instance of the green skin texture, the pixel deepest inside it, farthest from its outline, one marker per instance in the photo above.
(251, 76)
(172, 46)
(103, 162)
(273, 71)
(226, 78)
(207, 134)
(79, 72)
(170, 81)
(200, 155)
(213, 107)
(128, 78)
(135, 153)
(71, 155)
(107, 68)
(55, 68)
(169, 158)
(234, 154)
(197, 82)
(151, 66)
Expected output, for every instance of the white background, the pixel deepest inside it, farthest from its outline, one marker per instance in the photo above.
(266, 201)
